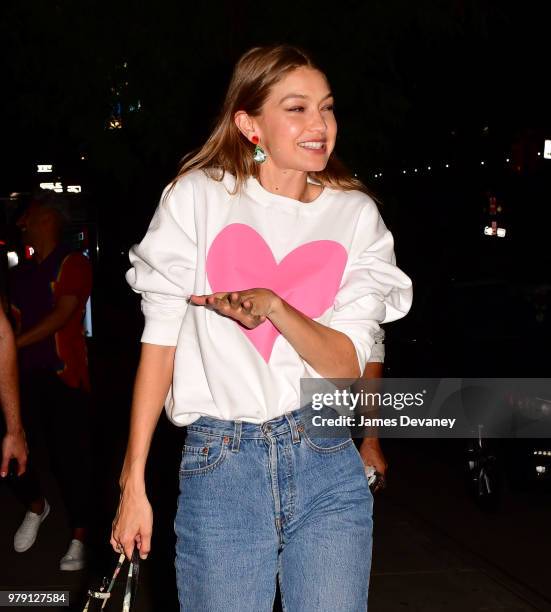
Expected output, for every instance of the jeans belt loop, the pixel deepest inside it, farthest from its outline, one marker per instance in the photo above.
(293, 425)
(236, 436)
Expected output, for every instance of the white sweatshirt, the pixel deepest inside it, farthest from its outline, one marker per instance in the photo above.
(332, 259)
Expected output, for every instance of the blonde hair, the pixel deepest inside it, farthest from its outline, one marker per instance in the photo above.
(227, 149)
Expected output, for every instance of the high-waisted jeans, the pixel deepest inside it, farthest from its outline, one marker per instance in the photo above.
(260, 501)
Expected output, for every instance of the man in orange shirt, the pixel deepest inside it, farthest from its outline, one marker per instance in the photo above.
(48, 296)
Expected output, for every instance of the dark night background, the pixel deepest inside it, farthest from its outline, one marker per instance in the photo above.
(417, 85)
(114, 94)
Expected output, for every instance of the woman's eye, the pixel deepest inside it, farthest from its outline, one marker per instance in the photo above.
(329, 107)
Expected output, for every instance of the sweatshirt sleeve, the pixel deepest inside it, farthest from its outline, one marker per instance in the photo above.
(374, 289)
(163, 265)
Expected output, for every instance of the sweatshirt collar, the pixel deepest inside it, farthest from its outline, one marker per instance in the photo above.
(258, 193)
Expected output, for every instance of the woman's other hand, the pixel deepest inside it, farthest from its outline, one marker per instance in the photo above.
(372, 454)
(250, 307)
(133, 524)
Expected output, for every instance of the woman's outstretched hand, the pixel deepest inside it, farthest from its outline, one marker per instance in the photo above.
(132, 525)
(250, 307)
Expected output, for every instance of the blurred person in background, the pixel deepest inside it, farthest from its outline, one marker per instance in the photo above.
(48, 295)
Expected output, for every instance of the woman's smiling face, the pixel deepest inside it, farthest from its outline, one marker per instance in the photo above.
(297, 124)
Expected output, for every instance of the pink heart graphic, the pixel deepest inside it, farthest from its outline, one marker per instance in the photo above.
(308, 277)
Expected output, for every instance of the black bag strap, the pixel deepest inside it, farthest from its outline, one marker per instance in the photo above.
(104, 592)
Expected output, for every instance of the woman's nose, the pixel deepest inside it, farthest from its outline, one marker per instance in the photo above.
(318, 122)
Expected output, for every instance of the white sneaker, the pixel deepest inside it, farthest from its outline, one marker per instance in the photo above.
(75, 557)
(25, 536)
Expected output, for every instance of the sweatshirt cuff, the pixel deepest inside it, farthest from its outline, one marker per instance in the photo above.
(362, 339)
(161, 331)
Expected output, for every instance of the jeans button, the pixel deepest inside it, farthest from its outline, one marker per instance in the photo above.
(226, 440)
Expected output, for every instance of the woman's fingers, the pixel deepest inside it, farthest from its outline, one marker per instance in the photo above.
(123, 543)
(144, 545)
(236, 304)
(128, 548)
(132, 527)
(114, 543)
(204, 300)
(198, 300)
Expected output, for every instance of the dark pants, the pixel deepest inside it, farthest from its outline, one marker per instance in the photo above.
(57, 417)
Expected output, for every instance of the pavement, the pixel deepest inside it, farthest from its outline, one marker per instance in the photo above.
(429, 549)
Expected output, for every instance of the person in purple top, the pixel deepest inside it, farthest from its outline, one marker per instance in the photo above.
(48, 296)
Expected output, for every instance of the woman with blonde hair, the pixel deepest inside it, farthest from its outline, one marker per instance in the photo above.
(265, 262)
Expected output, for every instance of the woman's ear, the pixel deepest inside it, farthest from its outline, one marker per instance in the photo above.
(244, 124)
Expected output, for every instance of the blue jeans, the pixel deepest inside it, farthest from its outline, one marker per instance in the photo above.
(260, 501)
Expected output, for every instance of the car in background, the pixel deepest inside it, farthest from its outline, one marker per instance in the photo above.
(484, 329)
